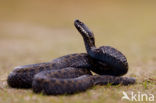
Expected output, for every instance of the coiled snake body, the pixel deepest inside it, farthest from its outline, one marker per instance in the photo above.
(72, 73)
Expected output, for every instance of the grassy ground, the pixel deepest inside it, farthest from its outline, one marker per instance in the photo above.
(38, 31)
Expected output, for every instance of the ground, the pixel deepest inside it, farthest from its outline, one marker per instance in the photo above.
(39, 31)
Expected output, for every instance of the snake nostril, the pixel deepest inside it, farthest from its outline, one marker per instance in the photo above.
(77, 20)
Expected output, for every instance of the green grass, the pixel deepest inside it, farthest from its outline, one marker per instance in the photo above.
(33, 32)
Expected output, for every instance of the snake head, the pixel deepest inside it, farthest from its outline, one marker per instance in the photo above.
(83, 29)
(86, 33)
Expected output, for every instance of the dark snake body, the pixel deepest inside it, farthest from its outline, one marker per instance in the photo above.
(72, 73)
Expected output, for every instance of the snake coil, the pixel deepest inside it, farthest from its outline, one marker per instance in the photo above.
(72, 73)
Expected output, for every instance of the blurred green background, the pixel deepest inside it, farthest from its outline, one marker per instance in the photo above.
(33, 31)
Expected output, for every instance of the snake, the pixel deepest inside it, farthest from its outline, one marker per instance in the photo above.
(76, 72)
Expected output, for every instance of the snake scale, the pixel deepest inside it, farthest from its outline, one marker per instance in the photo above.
(72, 73)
